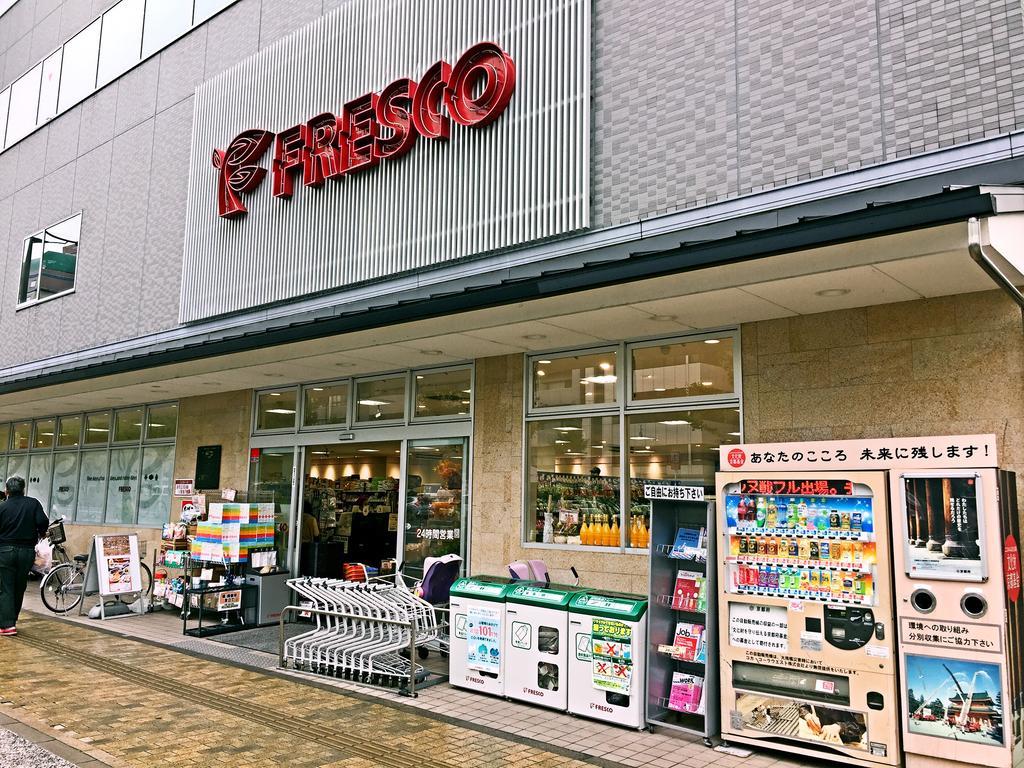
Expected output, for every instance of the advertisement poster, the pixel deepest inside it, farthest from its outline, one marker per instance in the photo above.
(942, 537)
(783, 716)
(954, 699)
(611, 655)
(117, 564)
(483, 642)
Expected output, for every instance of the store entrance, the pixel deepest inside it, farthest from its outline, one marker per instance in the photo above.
(349, 508)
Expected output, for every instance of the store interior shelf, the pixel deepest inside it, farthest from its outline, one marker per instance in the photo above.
(822, 598)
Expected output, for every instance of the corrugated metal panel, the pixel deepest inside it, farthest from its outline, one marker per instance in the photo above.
(523, 178)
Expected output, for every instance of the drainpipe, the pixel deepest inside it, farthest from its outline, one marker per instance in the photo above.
(977, 252)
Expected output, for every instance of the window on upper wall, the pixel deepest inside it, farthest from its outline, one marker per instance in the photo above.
(166, 21)
(325, 404)
(443, 393)
(21, 435)
(97, 428)
(380, 399)
(44, 434)
(161, 421)
(206, 8)
(574, 381)
(69, 433)
(701, 368)
(128, 425)
(276, 410)
(120, 40)
(78, 72)
(21, 119)
(50, 262)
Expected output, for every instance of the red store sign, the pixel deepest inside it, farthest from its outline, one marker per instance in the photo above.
(371, 128)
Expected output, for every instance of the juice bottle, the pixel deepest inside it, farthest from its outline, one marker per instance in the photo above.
(792, 513)
(805, 581)
(847, 552)
(836, 551)
(762, 577)
(773, 547)
(761, 512)
(613, 534)
(837, 584)
(772, 515)
(762, 546)
(585, 531)
(645, 532)
(801, 514)
(858, 552)
(815, 581)
(603, 533)
(631, 537)
(805, 549)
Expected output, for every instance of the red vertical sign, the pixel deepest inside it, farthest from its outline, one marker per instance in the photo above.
(1011, 568)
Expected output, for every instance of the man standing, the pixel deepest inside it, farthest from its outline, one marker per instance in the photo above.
(22, 523)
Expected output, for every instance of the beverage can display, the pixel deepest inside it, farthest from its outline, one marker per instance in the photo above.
(815, 581)
(773, 547)
(805, 549)
(858, 551)
(845, 519)
(794, 548)
(814, 550)
(805, 581)
(743, 545)
(762, 546)
(857, 521)
(823, 550)
(833, 519)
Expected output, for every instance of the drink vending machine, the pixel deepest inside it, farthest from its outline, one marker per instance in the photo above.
(863, 610)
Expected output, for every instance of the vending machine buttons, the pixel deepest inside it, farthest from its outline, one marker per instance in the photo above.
(879, 631)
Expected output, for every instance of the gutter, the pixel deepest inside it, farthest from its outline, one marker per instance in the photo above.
(983, 260)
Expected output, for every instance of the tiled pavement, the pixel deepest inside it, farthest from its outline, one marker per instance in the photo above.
(159, 706)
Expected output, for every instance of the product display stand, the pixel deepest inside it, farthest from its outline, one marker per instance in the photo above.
(682, 635)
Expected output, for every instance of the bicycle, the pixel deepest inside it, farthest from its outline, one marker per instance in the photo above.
(63, 587)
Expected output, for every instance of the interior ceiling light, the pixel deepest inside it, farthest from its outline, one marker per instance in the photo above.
(674, 422)
(659, 389)
(607, 378)
(830, 293)
(541, 373)
(605, 366)
(543, 362)
(735, 434)
(282, 411)
(712, 341)
(534, 336)
(706, 383)
(368, 450)
(568, 429)
(561, 442)
(374, 402)
(467, 391)
(319, 453)
(318, 389)
(419, 378)
(275, 394)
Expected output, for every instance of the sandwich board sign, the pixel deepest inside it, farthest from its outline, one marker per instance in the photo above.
(114, 568)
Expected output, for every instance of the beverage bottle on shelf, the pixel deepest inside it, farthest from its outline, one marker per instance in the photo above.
(834, 520)
(773, 547)
(805, 549)
(794, 548)
(782, 512)
(845, 518)
(813, 550)
(761, 512)
(772, 514)
(603, 530)
(762, 577)
(762, 546)
(847, 550)
(822, 520)
(631, 538)
(613, 533)
(814, 582)
(837, 584)
(805, 580)
(773, 577)
(801, 514)
(585, 531)
(858, 552)
(741, 512)
(823, 552)
(812, 516)
(742, 545)
(792, 513)
(857, 521)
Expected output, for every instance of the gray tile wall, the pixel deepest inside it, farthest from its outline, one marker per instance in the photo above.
(692, 103)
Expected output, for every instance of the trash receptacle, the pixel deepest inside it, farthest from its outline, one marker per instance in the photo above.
(607, 636)
(476, 658)
(536, 643)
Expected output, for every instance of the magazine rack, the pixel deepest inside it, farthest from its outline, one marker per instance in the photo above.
(682, 660)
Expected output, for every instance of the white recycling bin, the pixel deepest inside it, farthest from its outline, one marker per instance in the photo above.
(476, 658)
(536, 643)
(607, 668)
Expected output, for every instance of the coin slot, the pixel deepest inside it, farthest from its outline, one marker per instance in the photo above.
(974, 605)
(922, 600)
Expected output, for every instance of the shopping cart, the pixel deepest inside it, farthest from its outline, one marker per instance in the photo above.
(359, 631)
(439, 573)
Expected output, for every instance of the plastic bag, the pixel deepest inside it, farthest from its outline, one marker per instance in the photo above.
(44, 558)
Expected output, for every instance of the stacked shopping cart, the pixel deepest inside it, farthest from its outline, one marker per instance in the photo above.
(362, 632)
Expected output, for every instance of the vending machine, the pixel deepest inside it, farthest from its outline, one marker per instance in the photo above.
(869, 596)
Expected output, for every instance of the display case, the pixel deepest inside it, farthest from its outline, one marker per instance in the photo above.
(682, 632)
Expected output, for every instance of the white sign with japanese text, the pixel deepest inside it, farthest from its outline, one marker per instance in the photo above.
(882, 453)
(674, 492)
(957, 635)
(764, 627)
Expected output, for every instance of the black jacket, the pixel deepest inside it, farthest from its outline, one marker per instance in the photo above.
(22, 521)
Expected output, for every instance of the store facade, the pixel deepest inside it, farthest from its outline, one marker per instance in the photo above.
(453, 285)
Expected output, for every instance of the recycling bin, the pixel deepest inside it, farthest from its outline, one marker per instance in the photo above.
(607, 669)
(536, 643)
(476, 659)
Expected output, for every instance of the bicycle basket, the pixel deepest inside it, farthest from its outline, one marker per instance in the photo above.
(55, 533)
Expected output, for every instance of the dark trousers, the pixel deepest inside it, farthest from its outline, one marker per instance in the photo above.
(15, 562)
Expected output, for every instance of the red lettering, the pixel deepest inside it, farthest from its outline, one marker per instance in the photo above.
(238, 170)
(394, 108)
(481, 85)
(324, 159)
(290, 153)
(361, 131)
(430, 122)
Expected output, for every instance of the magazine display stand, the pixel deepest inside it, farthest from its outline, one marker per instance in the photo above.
(682, 647)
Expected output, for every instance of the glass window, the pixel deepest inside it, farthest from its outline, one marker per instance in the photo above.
(270, 481)
(683, 369)
(325, 404)
(162, 421)
(436, 489)
(60, 257)
(585, 379)
(78, 71)
(33, 262)
(21, 434)
(92, 487)
(44, 433)
(276, 410)
(443, 393)
(97, 428)
(5, 103)
(206, 8)
(49, 86)
(123, 486)
(155, 493)
(69, 434)
(121, 40)
(127, 425)
(678, 445)
(21, 119)
(166, 20)
(380, 399)
(65, 485)
(572, 479)
(40, 473)
(17, 466)
(5, 436)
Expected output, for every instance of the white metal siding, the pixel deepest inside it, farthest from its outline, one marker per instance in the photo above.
(523, 178)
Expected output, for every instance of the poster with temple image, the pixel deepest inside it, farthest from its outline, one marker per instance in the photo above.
(943, 537)
(955, 699)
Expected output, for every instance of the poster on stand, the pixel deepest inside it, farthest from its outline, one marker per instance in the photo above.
(944, 527)
(955, 699)
(806, 720)
(483, 641)
(117, 564)
(611, 655)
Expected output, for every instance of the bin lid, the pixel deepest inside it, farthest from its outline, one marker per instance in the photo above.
(492, 588)
(546, 596)
(614, 605)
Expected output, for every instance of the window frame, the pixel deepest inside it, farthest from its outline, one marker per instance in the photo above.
(35, 433)
(24, 258)
(146, 439)
(411, 404)
(625, 407)
(114, 442)
(382, 422)
(301, 409)
(256, 410)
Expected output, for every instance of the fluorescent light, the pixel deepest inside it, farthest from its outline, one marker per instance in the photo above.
(153, 425)
(319, 453)
(659, 389)
(467, 391)
(607, 378)
(735, 434)
(674, 422)
(605, 366)
(282, 411)
(97, 429)
(418, 378)
(541, 373)
(568, 429)
(421, 407)
(275, 394)
(712, 341)
(562, 442)
(642, 437)
(643, 450)
(318, 389)
(374, 402)
(706, 383)
(368, 450)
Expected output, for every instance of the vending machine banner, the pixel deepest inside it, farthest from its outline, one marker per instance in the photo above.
(943, 534)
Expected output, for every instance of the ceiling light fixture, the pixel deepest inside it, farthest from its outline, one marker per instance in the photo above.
(659, 389)
(282, 411)
(275, 394)
(706, 383)
(831, 293)
(735, 434)
(432, 352)
(318, 389)
(419, 378)
(534, 336)
(369, 450)
(607, 378)
(674, 422)
(568, 429)
(605, 366)
(374, 402)
(541, 373)
(543, 362)
(712, 341)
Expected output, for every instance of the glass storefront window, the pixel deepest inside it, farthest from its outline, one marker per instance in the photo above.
(679, 369)
(92, 487)
(161, 421)
(65, 485)
(276, 410)
(78, 71)
(435, 504)
(128, 425)
(44, 434)
(572, 479)
(443, 393)
(69, 434)
(325, 405)
(18, 466)
(270, 480)
(97, 428)
(5, 436)
(589, 378)
(21, 435)
(380, 400)
(40, 474)
(123, 486)
(155, 484)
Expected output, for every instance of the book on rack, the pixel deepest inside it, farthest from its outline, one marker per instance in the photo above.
(690, 544)
(687, 693)
(691, 593)
(688, 644)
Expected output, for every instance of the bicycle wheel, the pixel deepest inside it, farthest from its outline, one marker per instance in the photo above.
(61, 589)
(147, 580)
